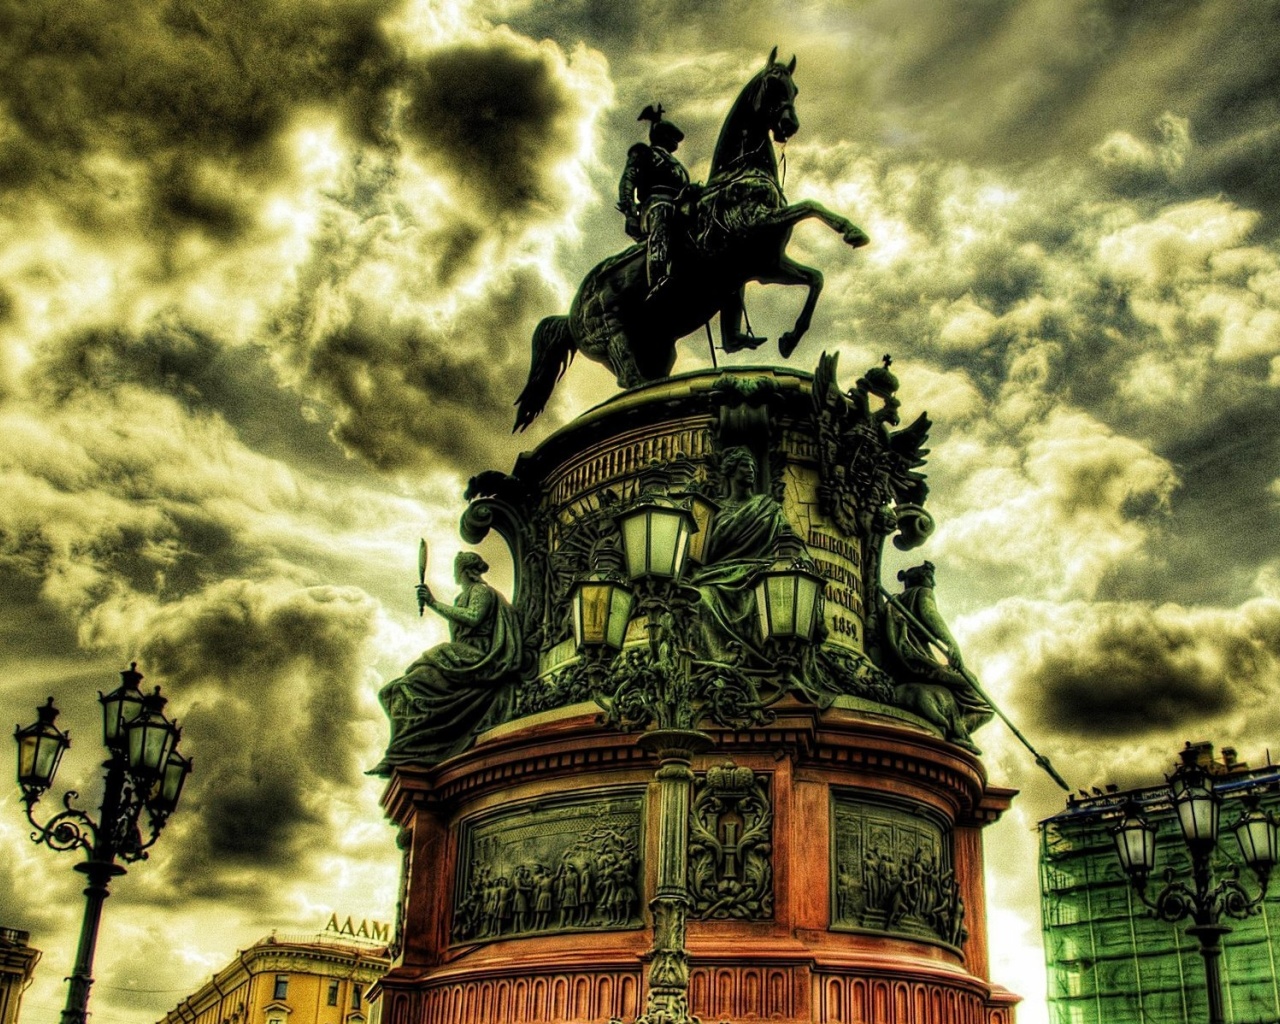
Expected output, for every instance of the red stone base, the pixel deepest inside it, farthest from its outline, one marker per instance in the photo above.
(791, 968)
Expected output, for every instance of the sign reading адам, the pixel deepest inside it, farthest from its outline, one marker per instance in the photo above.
(374, 931)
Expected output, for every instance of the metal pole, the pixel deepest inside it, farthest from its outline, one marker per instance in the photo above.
(101, 867)
(81, 979)
(1210, 936)
(667, 1001)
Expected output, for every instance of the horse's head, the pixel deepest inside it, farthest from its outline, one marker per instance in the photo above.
(766, 106)
(774, 97)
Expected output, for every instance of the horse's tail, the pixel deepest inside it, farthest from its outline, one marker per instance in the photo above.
(553, 351)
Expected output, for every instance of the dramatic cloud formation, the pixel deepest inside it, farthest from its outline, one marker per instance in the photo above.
(267, 282)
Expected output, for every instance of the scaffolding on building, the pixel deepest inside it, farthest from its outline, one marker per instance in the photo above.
(1109, 960)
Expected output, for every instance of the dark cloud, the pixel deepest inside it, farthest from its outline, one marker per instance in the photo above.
(175, 84)
(497, 114)
(406, 395)
(1111, 670)
(205, 374)
(266, 681)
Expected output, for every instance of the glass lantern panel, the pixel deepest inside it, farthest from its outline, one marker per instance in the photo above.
(782, 604)
(619, 617)
(664, 542)
(593, 604)
(762, 607)
(171, 781)
(1198, 814)
(682, 546)
(149, 745)
(635, 543)
(806, 605)
(1257, 838)
(119, 709)
(27, 746)
(48, 754)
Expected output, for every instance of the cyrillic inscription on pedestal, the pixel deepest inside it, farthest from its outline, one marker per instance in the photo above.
(730, 845)
(569, 864)
(839, 561)
(892, 871)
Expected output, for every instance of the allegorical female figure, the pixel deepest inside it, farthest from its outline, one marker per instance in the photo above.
(743, 540)
(456, 690)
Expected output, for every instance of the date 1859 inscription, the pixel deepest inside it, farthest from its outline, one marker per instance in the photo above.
(842, 569)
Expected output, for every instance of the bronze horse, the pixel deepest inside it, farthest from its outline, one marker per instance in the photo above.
(737, 231)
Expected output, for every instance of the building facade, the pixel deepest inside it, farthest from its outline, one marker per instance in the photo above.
(17, 966)
(290, 979)
(1109, 960)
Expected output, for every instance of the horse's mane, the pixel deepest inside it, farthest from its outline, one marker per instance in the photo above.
(733, 152)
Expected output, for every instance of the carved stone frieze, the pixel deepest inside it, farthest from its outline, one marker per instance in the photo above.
(892, 872)
(731, 845)
(569, 864)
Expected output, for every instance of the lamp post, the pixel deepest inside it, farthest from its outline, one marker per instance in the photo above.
(672, 692)
(144, 771)
(1198, 807)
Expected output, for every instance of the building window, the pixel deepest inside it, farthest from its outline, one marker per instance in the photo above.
(355, 997)
(333, 993)
(282, 986)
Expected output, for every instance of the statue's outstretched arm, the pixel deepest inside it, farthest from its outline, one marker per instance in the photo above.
(476, 608)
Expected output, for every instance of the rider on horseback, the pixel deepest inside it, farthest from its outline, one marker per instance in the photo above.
(647, 194)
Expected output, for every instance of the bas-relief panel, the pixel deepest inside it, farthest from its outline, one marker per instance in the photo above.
(892, 871)
(571, 863)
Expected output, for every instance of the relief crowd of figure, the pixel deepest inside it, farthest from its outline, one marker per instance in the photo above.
(910, 894)
(592, 884)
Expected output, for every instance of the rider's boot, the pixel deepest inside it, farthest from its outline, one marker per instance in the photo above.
(658, 255)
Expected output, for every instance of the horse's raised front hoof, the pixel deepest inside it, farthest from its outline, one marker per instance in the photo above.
(788, 342)
(856, 237)
(740, 342)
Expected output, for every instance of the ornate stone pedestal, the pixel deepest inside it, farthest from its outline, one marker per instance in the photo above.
(830, 837)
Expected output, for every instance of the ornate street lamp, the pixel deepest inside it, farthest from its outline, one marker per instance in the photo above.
(655, 538)
(144, 772)
(788, 602)
(120, 707)
(40, 748)
(601, 611)
(1135, 840)
(703, 510)
(1198, 807)
(673, 692)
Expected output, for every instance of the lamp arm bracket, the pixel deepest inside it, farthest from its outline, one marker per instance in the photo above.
(69, 829)
(1175, 902)
(1231, 899)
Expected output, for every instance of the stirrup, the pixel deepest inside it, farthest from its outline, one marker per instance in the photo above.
(742, 342)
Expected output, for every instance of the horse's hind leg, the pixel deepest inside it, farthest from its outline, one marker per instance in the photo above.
(789, 271)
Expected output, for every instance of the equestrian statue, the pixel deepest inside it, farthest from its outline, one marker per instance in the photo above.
(698, 246)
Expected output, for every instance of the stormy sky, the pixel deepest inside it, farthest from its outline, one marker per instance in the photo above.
(268, 275)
